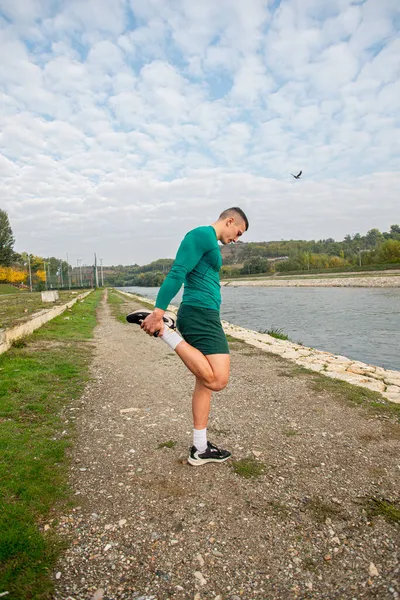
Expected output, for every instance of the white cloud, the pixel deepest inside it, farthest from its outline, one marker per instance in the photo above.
(128, 117)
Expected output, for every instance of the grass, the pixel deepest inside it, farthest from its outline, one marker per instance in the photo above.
(232, 339)
(7, 288)
(168, 444)
(115, 300)
(248, 467)
(354, 394)
(322, 510)
(275, 332)
(387, 509)
(278, 508)
(135, 297)
(36, 381)
(18, 307)
(346, 392)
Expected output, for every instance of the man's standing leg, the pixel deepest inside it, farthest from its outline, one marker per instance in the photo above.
(202, 451)
(201, 409)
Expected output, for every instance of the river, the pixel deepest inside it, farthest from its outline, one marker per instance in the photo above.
(360, 323)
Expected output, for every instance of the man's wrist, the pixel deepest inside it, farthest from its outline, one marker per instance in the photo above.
(159, 312)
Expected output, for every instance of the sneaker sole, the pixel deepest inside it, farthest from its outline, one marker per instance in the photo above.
(203, 461)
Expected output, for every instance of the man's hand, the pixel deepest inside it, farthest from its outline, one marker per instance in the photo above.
(154, 322)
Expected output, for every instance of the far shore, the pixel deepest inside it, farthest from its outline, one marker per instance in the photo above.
(384, 280)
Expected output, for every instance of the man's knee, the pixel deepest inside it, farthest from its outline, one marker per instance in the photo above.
(219, 383)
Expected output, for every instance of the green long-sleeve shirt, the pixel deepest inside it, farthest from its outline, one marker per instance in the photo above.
(197, 266)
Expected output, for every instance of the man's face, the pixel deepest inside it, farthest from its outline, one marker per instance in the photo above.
(234, 228)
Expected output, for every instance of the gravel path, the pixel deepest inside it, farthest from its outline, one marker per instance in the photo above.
(150, 527)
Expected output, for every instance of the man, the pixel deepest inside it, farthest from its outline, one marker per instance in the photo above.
(202, 345)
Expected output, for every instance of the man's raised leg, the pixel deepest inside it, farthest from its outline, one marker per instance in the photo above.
(212, 370)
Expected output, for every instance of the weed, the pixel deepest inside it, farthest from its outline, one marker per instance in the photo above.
(275, 332)
(354, 394)
(248, 467)
(168, 444)
(322, 510)
(387, 509)
(231, 338)
(19, 343)
(278, 508)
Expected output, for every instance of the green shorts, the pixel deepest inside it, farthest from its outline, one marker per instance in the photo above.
(201, 328)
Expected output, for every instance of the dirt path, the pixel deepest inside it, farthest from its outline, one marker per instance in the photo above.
(149, 526)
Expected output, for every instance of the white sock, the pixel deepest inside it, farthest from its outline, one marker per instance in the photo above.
(171, 337)
(200, 439)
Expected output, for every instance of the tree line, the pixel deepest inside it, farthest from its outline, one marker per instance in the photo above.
(14, 266)
(372, 250)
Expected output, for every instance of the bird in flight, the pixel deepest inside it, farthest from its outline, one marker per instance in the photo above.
(297, 176)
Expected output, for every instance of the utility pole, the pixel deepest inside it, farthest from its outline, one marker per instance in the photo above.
(68, 274)
(359, 255)
(79, 269)
(61, 275)
(101, 272)
(30, 273)
(96, 277)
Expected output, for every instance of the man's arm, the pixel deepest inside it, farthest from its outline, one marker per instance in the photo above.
(192, 248)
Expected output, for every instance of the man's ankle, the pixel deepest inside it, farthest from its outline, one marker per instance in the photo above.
(171, 337)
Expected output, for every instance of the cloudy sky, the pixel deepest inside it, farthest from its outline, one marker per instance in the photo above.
(125, 123)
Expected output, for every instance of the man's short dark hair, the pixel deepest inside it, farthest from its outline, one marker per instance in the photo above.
(231, 212)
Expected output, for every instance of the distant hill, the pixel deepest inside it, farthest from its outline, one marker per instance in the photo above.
(373, 248)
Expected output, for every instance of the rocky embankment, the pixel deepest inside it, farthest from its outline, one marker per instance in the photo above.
(381, 282)
(384, 381)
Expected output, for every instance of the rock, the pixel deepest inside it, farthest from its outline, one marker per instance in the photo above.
(335, 540)
(217, 553)
(121, 522)
(200, 559)
(374, 385)
(200, 577)
(393, 397)
(98, 595)
(256, 453)
(328, 557)
(107, 547)
(373, 571)
(197, 596)
(393, 389)
(309, 585)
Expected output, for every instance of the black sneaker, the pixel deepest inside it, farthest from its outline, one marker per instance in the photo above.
(212, 454)
(138, 316)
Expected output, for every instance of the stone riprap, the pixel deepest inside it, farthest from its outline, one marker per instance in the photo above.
(377, 379)
(309, 282)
